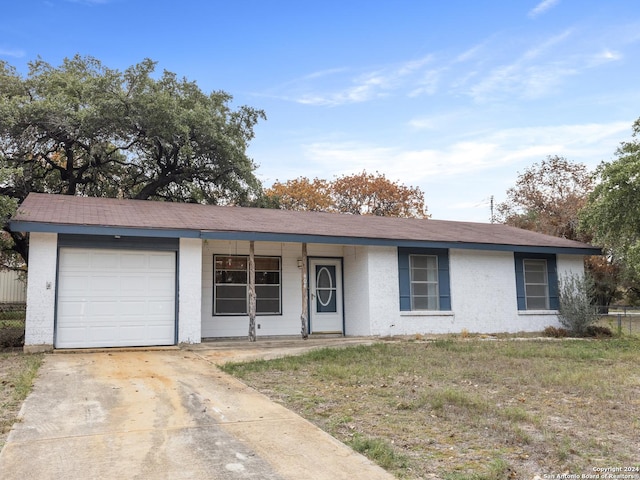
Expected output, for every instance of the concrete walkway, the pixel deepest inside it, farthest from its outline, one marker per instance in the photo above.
(169, 414)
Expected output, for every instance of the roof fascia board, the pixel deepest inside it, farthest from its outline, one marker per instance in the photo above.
(299, 238)
(20, 226)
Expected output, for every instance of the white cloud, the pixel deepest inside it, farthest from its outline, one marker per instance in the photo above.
(460, 173)
(12, 52)
(496, 68)
(535, 73)
(366, 86)
(588, 143)
(429, 83)
(605, 56)
(542, 7)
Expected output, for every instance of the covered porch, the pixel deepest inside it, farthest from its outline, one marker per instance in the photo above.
(283, 288)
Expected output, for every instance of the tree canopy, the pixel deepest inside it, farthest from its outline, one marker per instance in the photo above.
(547, 198)
(358, 194)
(613, 210)
(85, 129)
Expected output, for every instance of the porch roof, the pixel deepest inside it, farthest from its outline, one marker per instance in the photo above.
(107, 216)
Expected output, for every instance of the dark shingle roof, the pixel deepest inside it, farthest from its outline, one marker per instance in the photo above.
(56, 211)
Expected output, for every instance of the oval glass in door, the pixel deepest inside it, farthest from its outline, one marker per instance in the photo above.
(326, 289)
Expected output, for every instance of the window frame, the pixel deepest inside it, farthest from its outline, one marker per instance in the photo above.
(551, 278)
(404, 277)
(415, 282)
(215, 296)
(528, 295)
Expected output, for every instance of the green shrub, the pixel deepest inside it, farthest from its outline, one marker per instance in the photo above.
(576, 312)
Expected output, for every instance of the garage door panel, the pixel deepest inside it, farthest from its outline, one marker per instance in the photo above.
(105, 261)
(76, 284)
(135, 261)
(102, 332)
(104, 284)
(160, 308)
(134, 285)
(161, 285)
(70, 259)
(161, 262)
(102, 308)
(74, 335)
(115, 298)
(72, 308)
(133, 308)
(130, 333)
(158, 332)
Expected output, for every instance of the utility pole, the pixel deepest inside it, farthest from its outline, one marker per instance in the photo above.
(493, 219)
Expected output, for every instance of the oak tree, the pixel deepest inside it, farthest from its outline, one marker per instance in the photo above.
(84, 129)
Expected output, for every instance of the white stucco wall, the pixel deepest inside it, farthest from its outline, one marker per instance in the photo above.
(190, 290)
(384, 291)
(483, 293)
(41, 291)
(483, 296)
(570, 264)
(356, 291)
(483, 286)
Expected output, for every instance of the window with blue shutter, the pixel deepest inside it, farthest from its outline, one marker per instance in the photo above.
(424, 279)
(536, 281)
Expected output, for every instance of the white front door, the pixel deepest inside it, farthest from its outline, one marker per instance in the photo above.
(325, 289)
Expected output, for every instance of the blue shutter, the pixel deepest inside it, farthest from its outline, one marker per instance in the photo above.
(405, 280)
(520, 292)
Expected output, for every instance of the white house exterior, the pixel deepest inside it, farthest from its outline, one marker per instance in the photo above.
(106, 273)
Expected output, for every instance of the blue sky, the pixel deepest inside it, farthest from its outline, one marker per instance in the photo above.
(454, 96)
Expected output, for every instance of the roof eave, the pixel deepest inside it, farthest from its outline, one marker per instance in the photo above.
(26, 226)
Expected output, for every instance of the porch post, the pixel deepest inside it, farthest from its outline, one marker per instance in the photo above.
(252, 292)
(304, 317)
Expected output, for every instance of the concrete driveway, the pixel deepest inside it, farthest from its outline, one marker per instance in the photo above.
(167, 415)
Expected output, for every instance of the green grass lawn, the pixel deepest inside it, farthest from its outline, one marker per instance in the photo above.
(469, 408)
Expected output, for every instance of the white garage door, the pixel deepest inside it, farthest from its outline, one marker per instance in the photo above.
(115, 298)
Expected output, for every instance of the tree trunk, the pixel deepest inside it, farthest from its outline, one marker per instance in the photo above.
(152, 187)
(304, 317)
(252, 292)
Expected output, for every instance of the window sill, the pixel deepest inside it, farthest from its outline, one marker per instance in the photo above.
(538, 312)
(426, 313)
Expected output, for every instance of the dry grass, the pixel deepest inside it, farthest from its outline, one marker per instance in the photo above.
(469, 408)
(17, 373)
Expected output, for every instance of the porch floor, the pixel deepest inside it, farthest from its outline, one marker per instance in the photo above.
(220, 351)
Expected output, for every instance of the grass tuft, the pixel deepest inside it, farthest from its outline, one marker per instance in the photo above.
(378, 450)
